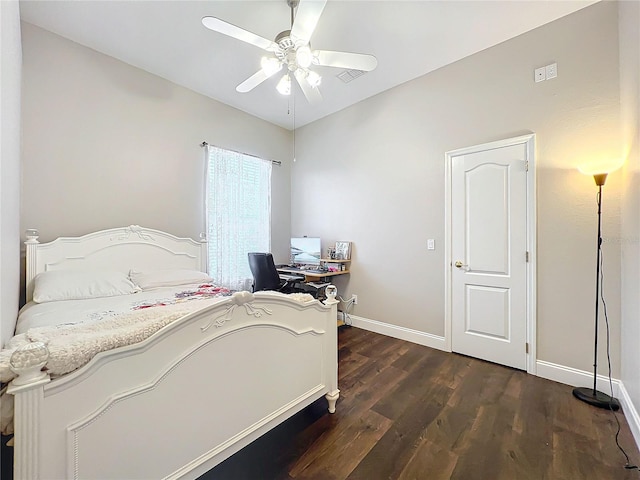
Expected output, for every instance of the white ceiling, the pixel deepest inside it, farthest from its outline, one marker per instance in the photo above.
(409, 38)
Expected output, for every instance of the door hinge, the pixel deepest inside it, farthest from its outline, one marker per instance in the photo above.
(526, 347)
(526, 165)
(526, 257)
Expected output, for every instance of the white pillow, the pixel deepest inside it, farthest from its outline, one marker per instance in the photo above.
(77, 285)
(168, 278)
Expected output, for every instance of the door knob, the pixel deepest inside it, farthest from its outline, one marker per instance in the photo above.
(459, 264)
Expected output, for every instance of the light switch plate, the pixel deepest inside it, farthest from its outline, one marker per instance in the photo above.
(431, 244)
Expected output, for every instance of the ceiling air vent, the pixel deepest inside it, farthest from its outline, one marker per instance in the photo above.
(349, 75)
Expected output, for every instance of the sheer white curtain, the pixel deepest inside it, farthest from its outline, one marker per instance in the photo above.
(238, 211)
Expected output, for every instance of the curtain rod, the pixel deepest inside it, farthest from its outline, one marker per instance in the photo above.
(274, 162)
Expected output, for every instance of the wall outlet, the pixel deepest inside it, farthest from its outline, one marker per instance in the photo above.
(355, 299)
(540, 74)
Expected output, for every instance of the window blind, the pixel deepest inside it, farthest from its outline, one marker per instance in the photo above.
(238, 214)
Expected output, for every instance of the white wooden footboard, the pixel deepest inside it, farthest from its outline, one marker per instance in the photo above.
(185, 399)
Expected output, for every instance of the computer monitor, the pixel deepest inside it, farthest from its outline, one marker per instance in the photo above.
(305, 251)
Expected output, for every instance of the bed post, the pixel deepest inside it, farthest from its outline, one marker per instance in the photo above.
(332, 360)
(26, 448)
(30, 272)
(204, 253)
(27, 389)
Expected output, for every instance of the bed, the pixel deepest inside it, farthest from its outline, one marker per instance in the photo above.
(182, 400)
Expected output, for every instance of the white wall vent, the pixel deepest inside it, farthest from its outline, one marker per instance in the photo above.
(349, 75)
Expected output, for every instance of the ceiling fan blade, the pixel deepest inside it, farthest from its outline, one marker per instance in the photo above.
(226, 28)
(356, 61)
(252, 82)
(306, 19)
(312, 94)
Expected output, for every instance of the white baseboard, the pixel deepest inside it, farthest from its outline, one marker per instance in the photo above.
(403, 333)
(630, 413)
(574, 377)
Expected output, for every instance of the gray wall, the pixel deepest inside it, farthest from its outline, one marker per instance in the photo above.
(11, 55)
(379, 166)
(106, 145)
(630, 239)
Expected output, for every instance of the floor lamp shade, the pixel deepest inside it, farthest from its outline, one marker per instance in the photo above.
(587, 394)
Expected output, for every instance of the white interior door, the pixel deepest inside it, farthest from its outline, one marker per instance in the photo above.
(489, 254)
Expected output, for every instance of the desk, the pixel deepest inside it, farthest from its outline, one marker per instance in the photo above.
(317, 280)
(310, 276)
(321, 278)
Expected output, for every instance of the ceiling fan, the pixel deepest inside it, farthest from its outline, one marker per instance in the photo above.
(291, 49)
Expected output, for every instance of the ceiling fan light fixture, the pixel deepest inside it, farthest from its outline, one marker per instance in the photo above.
(303, 56)
(313, 79)
(270, 66)
(292, 50)
(284, 85)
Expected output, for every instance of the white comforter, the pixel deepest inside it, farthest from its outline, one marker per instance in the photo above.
(72, 312)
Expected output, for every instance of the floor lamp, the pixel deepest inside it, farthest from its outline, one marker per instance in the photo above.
(591, 395)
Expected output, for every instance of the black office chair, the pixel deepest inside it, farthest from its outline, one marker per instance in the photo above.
(265, 275)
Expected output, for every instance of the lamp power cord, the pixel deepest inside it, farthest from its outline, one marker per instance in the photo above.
(627, 465)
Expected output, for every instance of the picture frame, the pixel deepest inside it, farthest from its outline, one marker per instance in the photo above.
(343, 250)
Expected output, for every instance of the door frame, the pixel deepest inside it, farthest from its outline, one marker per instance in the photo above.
(531, 320)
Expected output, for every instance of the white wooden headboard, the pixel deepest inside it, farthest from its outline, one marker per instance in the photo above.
(121, 249)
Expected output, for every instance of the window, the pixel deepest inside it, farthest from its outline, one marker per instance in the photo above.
(238, 214)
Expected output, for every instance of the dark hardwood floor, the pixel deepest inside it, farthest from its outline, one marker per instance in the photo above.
(411, 412)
